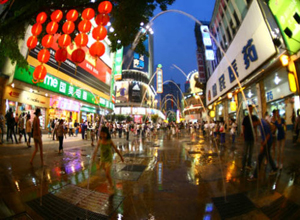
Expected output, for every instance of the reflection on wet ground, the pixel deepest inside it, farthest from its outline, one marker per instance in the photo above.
(161, 178)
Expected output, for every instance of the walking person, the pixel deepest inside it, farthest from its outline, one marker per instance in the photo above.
(297, 127)
(76, 126)
(11, 123)
(37, 136)
(60, 135)
(127, 131)
(28, 129)
(222, 134)
(7, 118)
(53, 128)
(266, 143)
(71, 132)
(249, 132)
(16, 123)
(22, 127)
(233, 130)
(106, 154)
(2, 121)
(273, 130)
(280, 124)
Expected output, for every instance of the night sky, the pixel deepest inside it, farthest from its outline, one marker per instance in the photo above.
(174, 38)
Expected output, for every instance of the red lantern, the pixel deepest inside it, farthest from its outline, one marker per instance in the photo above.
(64, 40)
(32, 42)
(61, 55)
(84, 26)
(41, 18)
(99, 33)
(52, 27)
(39, 74)
(102, 19)
(36, 29)
(44, 56)
(97, 49)
(81, 40)
(72, 15)
(56, 15)
(47, 41)
(88, 14)
(105, 7)
(3, 2)
(78, 56)
(68, 27)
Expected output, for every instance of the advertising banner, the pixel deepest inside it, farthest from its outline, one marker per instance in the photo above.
(122, 92)
(135, 92)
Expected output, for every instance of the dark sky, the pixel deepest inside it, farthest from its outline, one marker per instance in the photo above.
(174, 38)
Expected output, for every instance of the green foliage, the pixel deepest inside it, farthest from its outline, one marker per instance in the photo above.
(154, 118)
(126, 17)
(120, 118)
(129, 118)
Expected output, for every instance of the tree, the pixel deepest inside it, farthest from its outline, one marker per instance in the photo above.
(129, 118)
(126, 17)
(154, 118)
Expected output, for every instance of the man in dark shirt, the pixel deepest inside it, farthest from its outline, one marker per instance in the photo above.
(266, 143)
(249, 132)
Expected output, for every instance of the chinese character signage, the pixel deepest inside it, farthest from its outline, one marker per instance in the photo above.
(251, 47)
(159, 80)
(118, 64)
(287, 15)
(59, 86)
(205, 35)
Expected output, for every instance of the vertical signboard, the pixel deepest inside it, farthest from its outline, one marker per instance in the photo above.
(287, 14)
(159, 79)
(118, 64)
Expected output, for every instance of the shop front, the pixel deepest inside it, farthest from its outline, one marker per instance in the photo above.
(22, 101)
(278, 94)
(88, 113)
(63, 108)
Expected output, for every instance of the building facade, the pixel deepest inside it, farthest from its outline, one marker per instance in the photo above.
(69, 91)
(248, 43)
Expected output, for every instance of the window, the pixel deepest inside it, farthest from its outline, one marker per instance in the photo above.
(229, 35)
(237, 20)
(241, 5)
(233, 28)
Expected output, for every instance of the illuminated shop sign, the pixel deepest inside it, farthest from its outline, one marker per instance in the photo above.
(65, 104)
(209, 55)
(205, 35)
(88, 109)
(138, 61)
(118, 64)
(59, 86)
(159, 80)
(256, 47)
(287, 15)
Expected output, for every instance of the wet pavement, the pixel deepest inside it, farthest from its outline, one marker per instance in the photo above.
(161, 178)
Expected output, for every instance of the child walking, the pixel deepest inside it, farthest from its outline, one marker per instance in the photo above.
(106, 154)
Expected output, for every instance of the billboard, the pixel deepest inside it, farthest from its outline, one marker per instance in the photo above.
(136, 61)
(287, 15)
(135, 92)
(122, 92)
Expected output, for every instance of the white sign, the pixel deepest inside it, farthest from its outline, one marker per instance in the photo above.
(251, 47)
(159, 80)
(205, 35)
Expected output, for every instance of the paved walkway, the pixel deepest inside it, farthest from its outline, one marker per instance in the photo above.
(162, 178)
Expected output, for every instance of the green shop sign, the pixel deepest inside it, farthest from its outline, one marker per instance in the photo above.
(287, 15)
(59, 86)
(88, 109)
